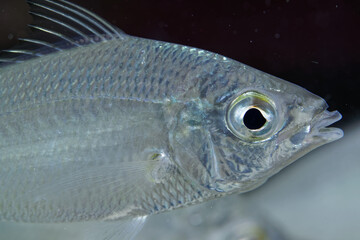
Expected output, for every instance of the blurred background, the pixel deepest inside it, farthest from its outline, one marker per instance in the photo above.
(313, 43)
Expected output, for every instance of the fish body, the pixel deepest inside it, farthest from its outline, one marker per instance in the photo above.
(128, 127)
(118, 112)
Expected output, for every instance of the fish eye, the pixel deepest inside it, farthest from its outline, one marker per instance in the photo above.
(252, 117)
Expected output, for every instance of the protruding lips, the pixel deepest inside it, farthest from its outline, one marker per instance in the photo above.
(319, 126)
(317, 134)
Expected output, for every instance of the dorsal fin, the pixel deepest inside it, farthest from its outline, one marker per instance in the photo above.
(58, 25)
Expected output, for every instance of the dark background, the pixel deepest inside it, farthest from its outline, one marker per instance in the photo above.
(315, 44)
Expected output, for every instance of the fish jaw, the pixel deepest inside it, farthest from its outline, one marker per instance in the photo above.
(319, 127)
(308, 137)
(319, 133)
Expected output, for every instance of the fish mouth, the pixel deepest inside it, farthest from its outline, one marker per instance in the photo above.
(319, 126)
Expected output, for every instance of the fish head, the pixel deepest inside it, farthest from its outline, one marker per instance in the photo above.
(247, 128)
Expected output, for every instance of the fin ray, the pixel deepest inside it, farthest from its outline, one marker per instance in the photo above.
(99, 19)
(63, 24)
(19, 51)
(55, 34)
(58, 25)
(78, 21)
(40, 43)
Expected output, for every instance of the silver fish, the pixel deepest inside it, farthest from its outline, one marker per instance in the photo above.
(104, 126)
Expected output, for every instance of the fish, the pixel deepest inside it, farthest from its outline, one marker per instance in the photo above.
(102, 129)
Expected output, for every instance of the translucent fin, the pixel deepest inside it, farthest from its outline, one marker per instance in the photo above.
(59, 25)
(98, 189)
(114, 230)
(75, 184)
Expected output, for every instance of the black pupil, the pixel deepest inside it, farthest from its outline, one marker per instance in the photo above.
(253, 119)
